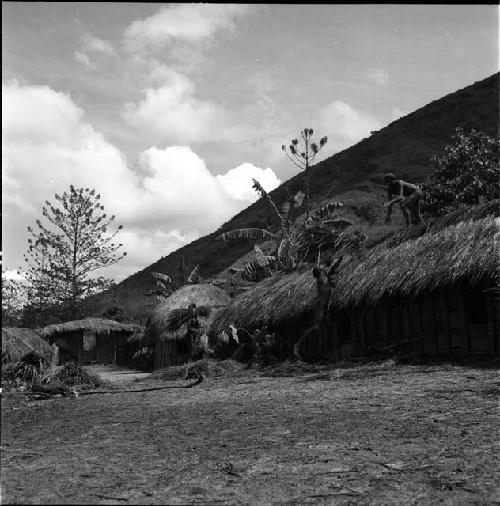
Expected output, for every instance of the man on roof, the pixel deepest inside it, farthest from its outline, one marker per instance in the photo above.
(407, 195)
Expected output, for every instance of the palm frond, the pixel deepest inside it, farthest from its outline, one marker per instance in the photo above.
(162, 277)
(255, 234)
(194, 277)
(176, 318)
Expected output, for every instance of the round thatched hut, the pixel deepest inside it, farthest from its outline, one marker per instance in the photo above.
(172, 348)
(18, 342)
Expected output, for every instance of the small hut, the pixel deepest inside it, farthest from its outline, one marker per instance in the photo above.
(284, 303)
(91, 340)
(18, 342)
(172, 348)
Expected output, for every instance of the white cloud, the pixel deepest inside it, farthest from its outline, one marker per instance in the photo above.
(184, 22)
(171, 200)
(345, 126)
(238, 181)
(397, 113)
(171, 113)
(379, 76)
(84, 59)
(93, 49)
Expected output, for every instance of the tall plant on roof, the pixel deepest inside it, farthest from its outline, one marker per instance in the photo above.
(64, 253)
(302, 154)
(290, 237)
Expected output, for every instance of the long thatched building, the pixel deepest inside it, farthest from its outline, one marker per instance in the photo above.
(172, 347)
(91, 340)
(438, 292)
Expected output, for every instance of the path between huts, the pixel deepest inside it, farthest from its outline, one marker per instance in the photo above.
(375, 434)
(115, 374)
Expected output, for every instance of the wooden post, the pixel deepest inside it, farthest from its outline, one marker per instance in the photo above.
(447, 320)
(492, 331)
(420, 324)
(434, 323)
(400, 322)
(385, 324)
(114, 348)
(354, 332)
(80, 348)
(464, 334)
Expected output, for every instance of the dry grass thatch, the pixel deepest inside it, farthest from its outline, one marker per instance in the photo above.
(468, 250)
(202, 294)
(98, 325)
(278, 298)
(18, 342)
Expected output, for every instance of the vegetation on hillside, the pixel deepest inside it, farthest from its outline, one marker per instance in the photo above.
(467, 174)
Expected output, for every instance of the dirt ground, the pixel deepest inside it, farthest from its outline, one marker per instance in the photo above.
(373, 434)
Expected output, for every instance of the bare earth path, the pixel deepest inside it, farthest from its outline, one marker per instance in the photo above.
(116, 374)
(365, 435)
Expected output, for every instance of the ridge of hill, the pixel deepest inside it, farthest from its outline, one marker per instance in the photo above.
(354, 176)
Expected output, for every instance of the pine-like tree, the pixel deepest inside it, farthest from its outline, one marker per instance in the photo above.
(302, 154)
(63, 255)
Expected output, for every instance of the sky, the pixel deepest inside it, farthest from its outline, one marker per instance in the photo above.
(169, 110)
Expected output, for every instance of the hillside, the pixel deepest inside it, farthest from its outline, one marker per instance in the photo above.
(353, 176)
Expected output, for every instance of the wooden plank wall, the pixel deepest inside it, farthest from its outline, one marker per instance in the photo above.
(435, 323)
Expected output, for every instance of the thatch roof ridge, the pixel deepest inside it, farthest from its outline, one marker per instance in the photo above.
(17, 342)
(467, 250)
(98, 325)
(201, 294)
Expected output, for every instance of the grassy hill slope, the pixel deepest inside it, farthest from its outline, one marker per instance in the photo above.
(354, 176)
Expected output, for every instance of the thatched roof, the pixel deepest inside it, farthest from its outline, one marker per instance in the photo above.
(202, 294)
(275, 299)
(465, 251)
(17, 342)
(469, 250)
(97, 325)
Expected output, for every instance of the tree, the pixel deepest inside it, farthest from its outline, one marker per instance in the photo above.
(14, 298)
(467, 174)
(302, 154)
(61, 257)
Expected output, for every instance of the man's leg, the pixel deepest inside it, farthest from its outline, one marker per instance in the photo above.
(406, 214)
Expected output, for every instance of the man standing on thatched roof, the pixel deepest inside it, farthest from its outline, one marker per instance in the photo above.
(407, 195)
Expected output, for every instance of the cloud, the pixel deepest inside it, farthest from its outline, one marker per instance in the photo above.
(170, 113)
(345, 126)
(181, 22)
(93, 49)
(238, 181)
(379, 76)
(397, 113)
(170, 199)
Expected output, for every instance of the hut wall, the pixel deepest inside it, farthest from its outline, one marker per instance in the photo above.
(459, 321)
(169, 353)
